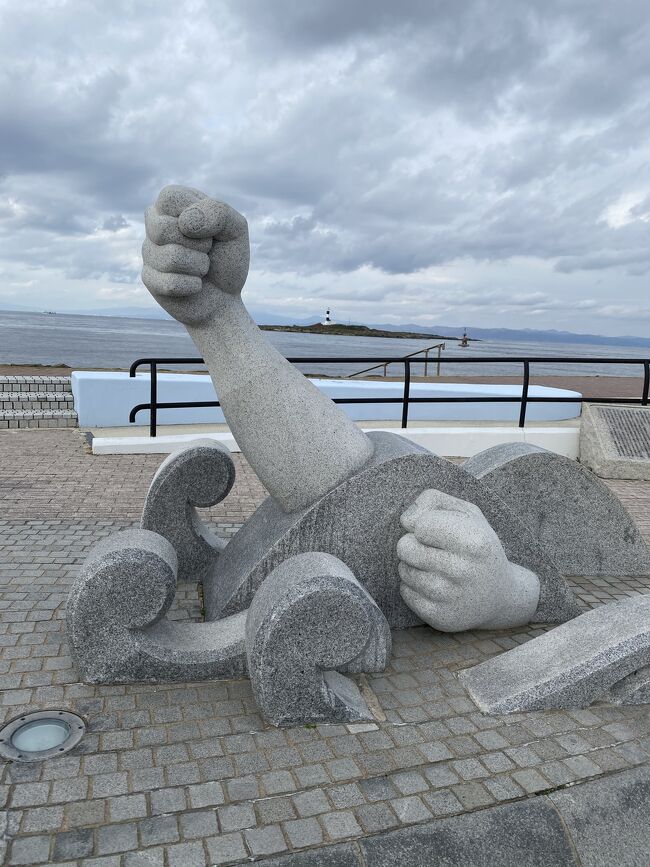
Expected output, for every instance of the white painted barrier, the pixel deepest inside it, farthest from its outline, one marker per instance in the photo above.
(444, 440)
(105, 398)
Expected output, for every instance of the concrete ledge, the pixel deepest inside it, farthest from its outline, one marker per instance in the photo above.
(442, 440)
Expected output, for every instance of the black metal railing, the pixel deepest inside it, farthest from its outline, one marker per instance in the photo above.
(524, 399)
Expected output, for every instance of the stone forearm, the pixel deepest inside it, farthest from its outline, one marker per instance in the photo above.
(299, 443)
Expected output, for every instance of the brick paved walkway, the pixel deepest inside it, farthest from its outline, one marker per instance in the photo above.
(188, 774)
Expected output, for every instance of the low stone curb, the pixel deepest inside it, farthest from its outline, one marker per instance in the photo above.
(595, 824)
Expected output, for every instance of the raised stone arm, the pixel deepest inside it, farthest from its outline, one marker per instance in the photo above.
(300, 444)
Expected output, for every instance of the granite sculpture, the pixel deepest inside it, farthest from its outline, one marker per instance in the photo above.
(309, 622)
(603, 655)
(360, 532)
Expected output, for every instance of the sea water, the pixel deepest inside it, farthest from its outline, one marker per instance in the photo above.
(105, 342)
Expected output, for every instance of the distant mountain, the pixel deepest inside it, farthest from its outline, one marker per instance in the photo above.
(516, 335)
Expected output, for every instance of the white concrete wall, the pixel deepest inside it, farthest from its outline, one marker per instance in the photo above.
(444, 440)
(105, 398)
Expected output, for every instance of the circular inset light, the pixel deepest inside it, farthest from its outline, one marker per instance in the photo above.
(41, 735)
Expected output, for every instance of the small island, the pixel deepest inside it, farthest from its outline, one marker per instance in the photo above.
(354, 331)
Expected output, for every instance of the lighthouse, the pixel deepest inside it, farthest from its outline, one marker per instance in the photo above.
(327, 320)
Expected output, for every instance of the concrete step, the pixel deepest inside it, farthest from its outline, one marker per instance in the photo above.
(36, 400)
(35, 383)
(28, 418)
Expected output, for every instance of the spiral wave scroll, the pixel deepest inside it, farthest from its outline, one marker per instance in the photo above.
(198, 476)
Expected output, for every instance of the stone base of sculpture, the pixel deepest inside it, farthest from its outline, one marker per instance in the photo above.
(310, 621)
(358, 522)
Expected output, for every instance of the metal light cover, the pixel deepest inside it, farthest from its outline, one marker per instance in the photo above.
(43, 734)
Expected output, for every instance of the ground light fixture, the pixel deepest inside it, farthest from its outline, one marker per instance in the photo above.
(43, 734)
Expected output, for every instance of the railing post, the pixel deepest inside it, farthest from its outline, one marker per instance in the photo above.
(407, 390)
(441, 346)
(153, 399)
(524, 394)
(426, 362)
(646, 383)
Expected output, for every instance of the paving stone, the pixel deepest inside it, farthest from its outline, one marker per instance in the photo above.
(503, 788)
(128, 807)
(158, 830)
(277, 782)
(265, 841)
(378, 789)
(30, 794)
(70, 845)
(42, 819)
(376, 817)
(442, 803)
(226, 849)
(168, 801)
(340, 825)
(236, 817)
(272, 810)
(342, 769)
(348, 795)
(186, 855)
(116, 838)
(30, 850)
(311, 803)
(148, 858)
(410, 783)
(441, 776)
(303, 832)
(107, 861)
(69, 790)
(202, 823)
(410, 809)
(311, 775)
(497, 762)
(85, 813)
(206, 794)
(530, 780)
(108, 785)
(243, 788)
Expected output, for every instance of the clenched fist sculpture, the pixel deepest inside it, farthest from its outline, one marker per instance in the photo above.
(454, 572)
(196, 251)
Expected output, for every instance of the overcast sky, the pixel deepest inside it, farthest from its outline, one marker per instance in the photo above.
(479, 163)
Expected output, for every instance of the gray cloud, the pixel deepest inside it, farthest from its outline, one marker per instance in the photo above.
(405, 160)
